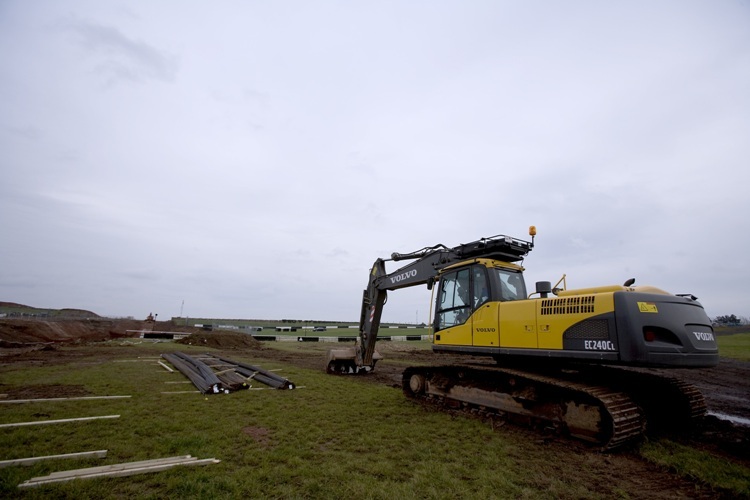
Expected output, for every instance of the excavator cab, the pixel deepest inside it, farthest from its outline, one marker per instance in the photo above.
(466, 289)
(469, 301)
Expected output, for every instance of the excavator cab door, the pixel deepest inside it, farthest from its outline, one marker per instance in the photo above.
(484, 326)
(454, 308)
(463, 305)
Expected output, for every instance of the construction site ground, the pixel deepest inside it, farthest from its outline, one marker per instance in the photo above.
(726, 389)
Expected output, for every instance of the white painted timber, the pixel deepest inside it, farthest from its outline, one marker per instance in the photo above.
(44, 422)
(33, 460)
(166, 367)
(118, 470)
(49, 400)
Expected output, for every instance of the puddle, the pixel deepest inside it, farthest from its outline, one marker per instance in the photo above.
(731, 418)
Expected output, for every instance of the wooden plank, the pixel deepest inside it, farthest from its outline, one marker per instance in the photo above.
(166, 367)
(45, 400)
(125, 465)
(44, 422)
(33, 460)
(119, 470)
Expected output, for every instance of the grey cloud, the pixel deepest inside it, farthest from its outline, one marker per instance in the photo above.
(141, 275)
(123, 58)
(337, 252)
(30, 133)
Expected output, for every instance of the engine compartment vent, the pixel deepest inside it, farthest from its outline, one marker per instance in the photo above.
(568, 305)
(596, 329)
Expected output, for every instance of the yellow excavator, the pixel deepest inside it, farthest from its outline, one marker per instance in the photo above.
(591, 363)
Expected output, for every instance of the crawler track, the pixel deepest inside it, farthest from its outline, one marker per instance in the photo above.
(605, 405)
(594, 413)
(669, 403)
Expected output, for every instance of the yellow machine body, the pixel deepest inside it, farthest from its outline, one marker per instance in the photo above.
(613, 323)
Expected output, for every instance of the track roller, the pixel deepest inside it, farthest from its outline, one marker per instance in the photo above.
(591, 413)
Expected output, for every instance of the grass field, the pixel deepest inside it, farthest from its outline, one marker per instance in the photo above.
(735, 346)
(331, 438)
(324, 440)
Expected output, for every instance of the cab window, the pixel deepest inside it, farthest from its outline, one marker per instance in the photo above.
(454, 306)
(512, 285)
(461, 293)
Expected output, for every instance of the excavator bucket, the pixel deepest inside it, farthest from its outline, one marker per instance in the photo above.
(344, 362)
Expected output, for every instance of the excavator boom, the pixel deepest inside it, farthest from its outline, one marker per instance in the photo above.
(425, 267)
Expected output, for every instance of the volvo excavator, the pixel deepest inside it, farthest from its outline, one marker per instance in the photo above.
(590, 363)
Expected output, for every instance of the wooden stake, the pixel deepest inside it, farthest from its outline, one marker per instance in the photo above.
(117, 470)
(44, 422)
(33, 460)
(165, 366)
(46, 400)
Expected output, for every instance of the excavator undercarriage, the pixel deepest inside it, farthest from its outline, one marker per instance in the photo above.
(613, 411)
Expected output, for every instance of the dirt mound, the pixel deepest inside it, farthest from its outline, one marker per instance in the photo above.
(83, 313)
(222, 340)
(15, 332)
(13, 309)
(12, 304)
(23, 331)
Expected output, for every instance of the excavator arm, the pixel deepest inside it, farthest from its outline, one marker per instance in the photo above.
(421, 271)
(424, 268)
(362, 357)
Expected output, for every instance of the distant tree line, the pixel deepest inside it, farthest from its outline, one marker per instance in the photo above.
(730, 320)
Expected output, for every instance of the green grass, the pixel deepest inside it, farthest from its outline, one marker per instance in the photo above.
(704, 467)
(334, 437)
(736, 346)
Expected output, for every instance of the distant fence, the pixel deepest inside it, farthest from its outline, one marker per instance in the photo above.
(285, 338)
(289, 338)
(304, 328)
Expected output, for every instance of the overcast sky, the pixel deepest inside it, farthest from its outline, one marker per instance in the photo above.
(248, 159)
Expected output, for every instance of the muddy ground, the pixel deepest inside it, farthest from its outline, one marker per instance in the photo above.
(726, 389)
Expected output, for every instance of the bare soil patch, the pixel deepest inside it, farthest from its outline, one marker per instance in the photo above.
(43, 391)
(17, 333)
(222, 340)
(260, 435)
